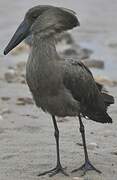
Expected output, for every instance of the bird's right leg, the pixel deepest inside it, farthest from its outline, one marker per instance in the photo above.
(58, 168)
(87, 165)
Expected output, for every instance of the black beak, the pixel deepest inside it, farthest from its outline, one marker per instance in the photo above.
(21, 33)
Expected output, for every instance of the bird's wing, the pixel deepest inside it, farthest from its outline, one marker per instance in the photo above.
(80, 82)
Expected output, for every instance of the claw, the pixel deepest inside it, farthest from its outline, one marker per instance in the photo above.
(86, 167)
(46, 172)
(54, 171)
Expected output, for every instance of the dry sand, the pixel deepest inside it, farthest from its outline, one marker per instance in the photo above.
(27, 145)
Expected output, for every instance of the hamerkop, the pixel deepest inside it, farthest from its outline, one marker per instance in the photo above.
(59, 87)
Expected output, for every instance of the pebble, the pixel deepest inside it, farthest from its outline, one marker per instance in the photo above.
(106, 81)
(69, 52)
(60, 120)
(10, 75)
(5, 98)
(1, 118)
(93, 63)
(78, 178)
(21, 66)
(92, 132)
(24, 101)
(114, 153)
(5, 111)
(16, 74)
(84, 53)
(92, 146)
(113, 45)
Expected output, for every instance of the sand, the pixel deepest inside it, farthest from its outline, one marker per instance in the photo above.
(27, 144)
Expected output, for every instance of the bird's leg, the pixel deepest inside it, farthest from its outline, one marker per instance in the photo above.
(87, 165)
(58, 168)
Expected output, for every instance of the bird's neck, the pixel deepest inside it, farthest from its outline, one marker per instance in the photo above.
(44, 49)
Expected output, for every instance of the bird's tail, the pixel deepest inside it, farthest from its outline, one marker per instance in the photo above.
(108, 99)
(99, 116)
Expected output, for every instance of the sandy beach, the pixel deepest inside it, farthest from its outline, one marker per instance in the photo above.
(27, 145)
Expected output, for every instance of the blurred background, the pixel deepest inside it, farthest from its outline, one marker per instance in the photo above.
(97, 31)
(23, 130)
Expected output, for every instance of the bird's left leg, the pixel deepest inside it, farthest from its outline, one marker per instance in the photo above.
(87, 165)
(58, 168)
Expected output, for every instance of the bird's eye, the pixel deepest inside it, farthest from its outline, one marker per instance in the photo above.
(34, 16)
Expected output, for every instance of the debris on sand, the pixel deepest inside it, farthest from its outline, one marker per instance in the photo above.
(84, 53)
(114, 153)
(5, 98)
(16, 74)
(92, 146)
(10, 75)
(24, 101)
(5, 111)
(113, 45)
(21, 66)
(94, 63)
(78, 178)
(105, 81)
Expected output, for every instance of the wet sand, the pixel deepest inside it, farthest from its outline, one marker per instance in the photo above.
(27, 145)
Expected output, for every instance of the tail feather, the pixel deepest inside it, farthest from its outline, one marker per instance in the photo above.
(108, 99)
(97, 114)
(101, 117)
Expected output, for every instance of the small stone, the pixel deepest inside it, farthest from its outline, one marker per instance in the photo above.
(93, 63)
(60, 120)
(114, 153)
(5, 98)
(78, 178)
(92, 146)
(1, 118)
(10, 75)
(20, 103)
(5, 111)
(113, 45)
(106, 81)
(24, 101)
(69, 52)
(22, 81)
(85, 53)
(21, 66)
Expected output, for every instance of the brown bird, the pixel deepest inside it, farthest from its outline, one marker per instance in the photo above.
(60, 87)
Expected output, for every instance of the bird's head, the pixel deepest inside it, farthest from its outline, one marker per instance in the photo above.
(44, 21)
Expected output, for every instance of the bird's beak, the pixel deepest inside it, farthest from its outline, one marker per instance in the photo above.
(21, 33)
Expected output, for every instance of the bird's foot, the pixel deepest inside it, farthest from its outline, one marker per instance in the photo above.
(87, 166)
(54, 171)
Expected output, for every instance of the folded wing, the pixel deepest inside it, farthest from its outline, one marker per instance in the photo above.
(80, 82)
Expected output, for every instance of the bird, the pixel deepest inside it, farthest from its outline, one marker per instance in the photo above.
(58, 86)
